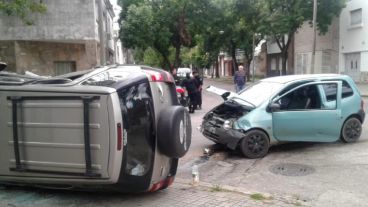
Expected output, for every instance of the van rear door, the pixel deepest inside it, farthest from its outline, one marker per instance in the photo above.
(54, 133)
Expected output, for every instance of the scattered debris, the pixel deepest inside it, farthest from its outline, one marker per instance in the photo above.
(195, 175)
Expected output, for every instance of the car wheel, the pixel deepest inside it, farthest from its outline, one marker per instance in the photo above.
(174, 131)
(351, 130)
(255, 144)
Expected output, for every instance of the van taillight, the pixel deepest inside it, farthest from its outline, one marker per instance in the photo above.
(162, 184)
(160, 76)
(362, 104)
(120, 137)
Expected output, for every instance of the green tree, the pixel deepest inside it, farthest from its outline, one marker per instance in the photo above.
(22, 9)
(280, 19)
(162, 25)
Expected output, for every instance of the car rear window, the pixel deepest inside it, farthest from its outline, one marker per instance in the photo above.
(330, 91)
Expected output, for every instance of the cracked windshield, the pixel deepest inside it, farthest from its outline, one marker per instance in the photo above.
(163, 103)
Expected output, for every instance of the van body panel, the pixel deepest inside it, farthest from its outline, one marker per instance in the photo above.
(51, 135)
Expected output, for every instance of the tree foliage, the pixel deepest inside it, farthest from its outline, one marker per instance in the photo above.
(22, 9)
(162, 25)
(176, 32)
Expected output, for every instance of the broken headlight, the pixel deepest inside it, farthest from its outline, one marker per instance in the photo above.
(228, 124)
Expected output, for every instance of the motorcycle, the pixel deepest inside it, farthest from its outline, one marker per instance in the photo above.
(182, 96)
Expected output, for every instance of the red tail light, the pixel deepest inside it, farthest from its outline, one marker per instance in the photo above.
(162, 184)
(159, 76)
(119, 136)
(155, 76)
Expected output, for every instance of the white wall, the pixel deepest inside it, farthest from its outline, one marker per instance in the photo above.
(354, 39)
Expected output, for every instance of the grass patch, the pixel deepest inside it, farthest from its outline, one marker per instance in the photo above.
(216, 188)
(257, 197)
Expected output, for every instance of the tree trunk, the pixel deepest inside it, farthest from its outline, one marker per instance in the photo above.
(177, 62)
(166, 63)
(233, 56)
(247, 68)
(284, 61)
(217, 72)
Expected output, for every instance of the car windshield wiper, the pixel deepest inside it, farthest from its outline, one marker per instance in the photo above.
(251, 104)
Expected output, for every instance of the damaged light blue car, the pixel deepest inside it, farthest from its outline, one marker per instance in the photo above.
(305, 108)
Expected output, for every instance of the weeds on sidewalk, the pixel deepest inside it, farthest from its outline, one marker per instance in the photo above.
(257, 197)
(216, 188)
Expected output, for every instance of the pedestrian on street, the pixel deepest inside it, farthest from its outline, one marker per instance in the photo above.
(174, 73)
(199, 84)
(189, 84)
(240, 79)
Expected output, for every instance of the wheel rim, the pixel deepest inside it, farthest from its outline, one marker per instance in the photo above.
(256, 144)
(352, 130)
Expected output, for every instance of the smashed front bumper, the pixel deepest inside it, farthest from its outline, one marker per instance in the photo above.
(216, 133)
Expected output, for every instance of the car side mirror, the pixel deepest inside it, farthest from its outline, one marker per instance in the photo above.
(225, 95)
(2, 66)
(273, 107)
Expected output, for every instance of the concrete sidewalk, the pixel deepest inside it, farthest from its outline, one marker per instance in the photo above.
(180, 194)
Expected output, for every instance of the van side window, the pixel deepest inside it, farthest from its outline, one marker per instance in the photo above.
(137, 113)
(107, 78)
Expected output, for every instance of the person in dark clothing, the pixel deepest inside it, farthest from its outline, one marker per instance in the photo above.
(199, 84)
(190, 85)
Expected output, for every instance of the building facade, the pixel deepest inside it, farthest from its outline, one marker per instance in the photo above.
(327, 50)
(353, 58)
(274, 58)
(72, 35)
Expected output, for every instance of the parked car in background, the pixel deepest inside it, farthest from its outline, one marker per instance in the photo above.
(182, 72)
(305, 108)
(112, 128)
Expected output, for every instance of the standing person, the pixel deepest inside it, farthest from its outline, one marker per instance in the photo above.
(174, 73)
(190, 85)
(239, 79)
(199, 84)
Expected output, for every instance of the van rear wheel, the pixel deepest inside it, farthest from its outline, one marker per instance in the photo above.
(255, 144)
(351, 130)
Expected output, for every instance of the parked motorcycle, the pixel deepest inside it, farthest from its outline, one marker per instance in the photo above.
(182, 96)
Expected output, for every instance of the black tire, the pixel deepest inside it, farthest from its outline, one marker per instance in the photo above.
(351, 130)
(174, 131)
(255, 144)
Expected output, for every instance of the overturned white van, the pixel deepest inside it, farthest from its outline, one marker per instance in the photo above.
(116, 127)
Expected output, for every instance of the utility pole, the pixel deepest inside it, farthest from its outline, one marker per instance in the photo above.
(253, 58)
(314, 35)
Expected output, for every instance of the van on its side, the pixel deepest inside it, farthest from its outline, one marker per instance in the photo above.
(117, 127)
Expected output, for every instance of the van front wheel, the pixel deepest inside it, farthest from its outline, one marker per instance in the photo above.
(255, 144)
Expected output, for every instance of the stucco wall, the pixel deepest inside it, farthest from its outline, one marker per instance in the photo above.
(39, 57)
(64, 20)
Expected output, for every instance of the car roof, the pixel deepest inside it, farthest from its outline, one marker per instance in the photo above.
(295, 78)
